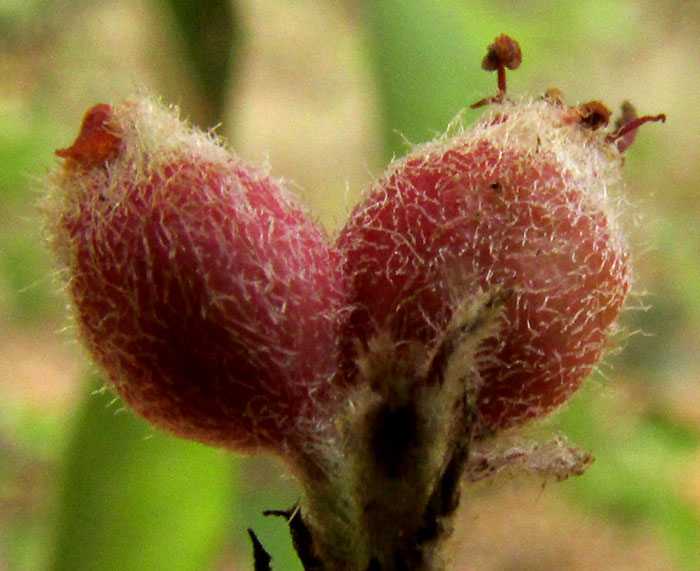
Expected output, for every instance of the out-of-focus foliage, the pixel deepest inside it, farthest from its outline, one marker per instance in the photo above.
(132, 499)
(412, 63)
(211, 32)
(25, 287)
(635, 481)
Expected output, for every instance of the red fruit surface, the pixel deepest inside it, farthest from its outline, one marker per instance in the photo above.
(200, 286)
(514, 205)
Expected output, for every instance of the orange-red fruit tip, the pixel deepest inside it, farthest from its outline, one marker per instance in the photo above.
(95, 143)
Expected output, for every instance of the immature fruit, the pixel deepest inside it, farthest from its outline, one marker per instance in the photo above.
(523, 204)
(199, 285)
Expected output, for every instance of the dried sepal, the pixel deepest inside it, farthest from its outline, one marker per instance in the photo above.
(554, 459)
(627, 125)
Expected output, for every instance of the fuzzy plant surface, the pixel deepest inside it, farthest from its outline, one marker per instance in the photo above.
(470, 292)
(199, 284)
(521, 204)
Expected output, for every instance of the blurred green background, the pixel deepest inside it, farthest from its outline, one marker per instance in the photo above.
(326, 92)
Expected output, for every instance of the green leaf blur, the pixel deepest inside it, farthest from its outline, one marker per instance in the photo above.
(135, 500)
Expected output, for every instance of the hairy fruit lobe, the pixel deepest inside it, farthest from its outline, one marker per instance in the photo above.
(200, 286)
(525, 203)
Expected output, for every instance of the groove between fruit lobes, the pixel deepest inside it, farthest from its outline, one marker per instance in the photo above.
(522, 202)
(200, 286)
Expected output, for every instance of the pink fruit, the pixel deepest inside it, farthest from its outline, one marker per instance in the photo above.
(525, 203)
(472, 290)
(200, 286)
